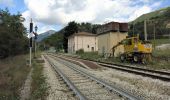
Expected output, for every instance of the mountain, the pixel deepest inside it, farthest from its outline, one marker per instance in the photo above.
(158, 20)
(45, 35)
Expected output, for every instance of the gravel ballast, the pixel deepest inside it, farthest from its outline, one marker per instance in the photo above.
(90, 89)
(147, 88)
(57, 89)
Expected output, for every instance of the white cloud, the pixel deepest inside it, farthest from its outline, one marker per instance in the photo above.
(8, 3)
(139, 12)
(60, 12)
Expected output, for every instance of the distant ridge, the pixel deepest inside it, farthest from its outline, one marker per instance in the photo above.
(45, 35)
(153, 15)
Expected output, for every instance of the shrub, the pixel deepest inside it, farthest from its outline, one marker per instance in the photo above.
(80, 51)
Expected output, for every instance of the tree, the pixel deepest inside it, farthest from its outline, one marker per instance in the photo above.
(55, 40)
(70, 29)
(12, 31)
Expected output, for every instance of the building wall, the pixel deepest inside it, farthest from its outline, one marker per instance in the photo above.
(108, 40)
(71, 44)
(82, 42)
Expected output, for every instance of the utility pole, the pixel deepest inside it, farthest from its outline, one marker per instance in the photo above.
(31, 30)
(145, 31)
(154, 34)
(133, 28)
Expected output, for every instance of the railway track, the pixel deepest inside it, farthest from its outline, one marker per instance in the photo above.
(161, 75)
(86, 86)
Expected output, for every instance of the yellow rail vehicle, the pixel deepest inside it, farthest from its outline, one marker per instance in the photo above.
(135, 50)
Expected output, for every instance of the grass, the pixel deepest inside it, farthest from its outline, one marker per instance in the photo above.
(160, 41)
(39, 85)
(161, 53)
(90, 55)
(13, 72)
(161, 58)
(159, 62)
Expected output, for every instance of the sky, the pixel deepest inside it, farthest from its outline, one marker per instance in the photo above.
(55, 14)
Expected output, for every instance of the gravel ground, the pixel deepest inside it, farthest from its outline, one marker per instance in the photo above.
(57, 90)
(147, 88)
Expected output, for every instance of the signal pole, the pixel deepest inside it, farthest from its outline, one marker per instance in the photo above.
(31, 30)
(1, 21)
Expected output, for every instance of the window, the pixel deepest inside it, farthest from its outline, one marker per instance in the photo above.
(87, 46)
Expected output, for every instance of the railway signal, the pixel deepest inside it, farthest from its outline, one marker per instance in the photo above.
(30, 42)
(1, 21)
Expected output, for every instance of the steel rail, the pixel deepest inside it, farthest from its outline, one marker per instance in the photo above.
(105, 84)
(135, 70)
(155, 76)
(68, 82)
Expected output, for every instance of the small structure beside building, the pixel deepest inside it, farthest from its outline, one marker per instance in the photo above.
(109, 35)
(82, 40)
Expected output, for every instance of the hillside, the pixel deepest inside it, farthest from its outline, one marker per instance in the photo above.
(45, 35)
(153, 15)
(159, 18)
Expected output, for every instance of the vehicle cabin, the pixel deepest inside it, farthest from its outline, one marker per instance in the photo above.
(136, 45)
(82, 40)
(109, 35)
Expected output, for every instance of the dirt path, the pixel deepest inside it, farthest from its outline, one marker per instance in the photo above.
(25, 91)
(81, 62)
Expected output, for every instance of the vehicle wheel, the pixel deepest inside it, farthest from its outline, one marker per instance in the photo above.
(135, 58)
(122, 58)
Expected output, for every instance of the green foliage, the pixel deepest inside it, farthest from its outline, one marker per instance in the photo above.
(80, 51)
(160, 41)
(161, 53)
(12, 31)
(90, 55)
(39, 85)
(55, 40)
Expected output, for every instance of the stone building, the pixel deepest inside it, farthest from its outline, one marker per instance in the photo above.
(82, 40)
